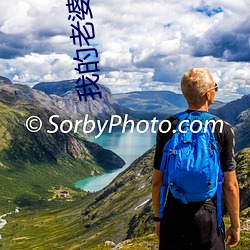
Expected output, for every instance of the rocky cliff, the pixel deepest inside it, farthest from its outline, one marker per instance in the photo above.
(64, 95)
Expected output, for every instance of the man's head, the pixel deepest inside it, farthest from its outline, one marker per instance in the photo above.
(197, 86)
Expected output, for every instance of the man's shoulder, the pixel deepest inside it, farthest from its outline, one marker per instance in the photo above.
(227, 127)
(173, 121)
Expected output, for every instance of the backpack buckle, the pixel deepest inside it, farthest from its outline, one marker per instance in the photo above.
(172, 152)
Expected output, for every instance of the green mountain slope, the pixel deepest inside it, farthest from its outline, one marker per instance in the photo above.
(123, 210)
(85, 222)
(32, 163)
(243, 175)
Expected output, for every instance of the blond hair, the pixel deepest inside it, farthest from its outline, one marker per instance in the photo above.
(195, 83)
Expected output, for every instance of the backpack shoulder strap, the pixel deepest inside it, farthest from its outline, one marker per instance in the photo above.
(208, 116)
(182, 115)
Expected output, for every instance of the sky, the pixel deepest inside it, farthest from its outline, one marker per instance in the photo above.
(142, 45)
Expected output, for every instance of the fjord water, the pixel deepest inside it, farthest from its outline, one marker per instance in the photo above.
(128, 146)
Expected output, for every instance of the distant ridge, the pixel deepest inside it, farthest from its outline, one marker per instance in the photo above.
(61, 88)
(160, 104)
(151, 100)
(4, 80)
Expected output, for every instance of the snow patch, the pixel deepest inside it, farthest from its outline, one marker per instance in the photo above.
(2, 223)
(143, 186)
(142, 204)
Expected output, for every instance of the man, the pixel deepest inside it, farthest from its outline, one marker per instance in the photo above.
(194, 225)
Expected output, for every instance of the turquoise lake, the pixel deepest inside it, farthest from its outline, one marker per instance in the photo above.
(129, 146)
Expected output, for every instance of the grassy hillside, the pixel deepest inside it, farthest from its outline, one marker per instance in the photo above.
(122, 213)
(54, 225)
(84, 222)
(243, 175)
(32, 163)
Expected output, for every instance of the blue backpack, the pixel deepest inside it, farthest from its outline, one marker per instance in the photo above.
(191, 162)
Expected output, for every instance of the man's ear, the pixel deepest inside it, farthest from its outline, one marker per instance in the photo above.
(207, 95)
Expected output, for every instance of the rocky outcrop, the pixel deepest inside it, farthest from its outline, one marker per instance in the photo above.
(106, 158)
(4, 80)
(65, 96)
(243, 175)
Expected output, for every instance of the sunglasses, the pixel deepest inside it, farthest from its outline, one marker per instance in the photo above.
(216, 87)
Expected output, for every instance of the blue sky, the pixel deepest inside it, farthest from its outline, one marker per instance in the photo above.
(143, 45)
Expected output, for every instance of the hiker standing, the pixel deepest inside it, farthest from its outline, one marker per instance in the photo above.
(193, 169)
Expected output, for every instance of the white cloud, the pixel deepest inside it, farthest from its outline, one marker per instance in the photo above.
(32, 15)
(20, 13)
(143, 45)
(130, 81)
(35, 68)
(115, 60)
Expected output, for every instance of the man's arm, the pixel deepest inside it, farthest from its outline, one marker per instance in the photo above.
(231, 195)
(156, 187)
(157, 178)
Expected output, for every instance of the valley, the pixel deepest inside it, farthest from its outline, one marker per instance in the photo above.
(38, 172)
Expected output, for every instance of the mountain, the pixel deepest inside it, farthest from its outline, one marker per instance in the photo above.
(151, 100)
(106, 215)
(138, 105)
(63, 93)
(232, 110)
(38, 166)
(124, 208)
(237, 114)
(32, 163)
(149, 104)
(216, 105)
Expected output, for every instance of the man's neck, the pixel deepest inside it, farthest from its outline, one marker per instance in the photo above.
(198, 107)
